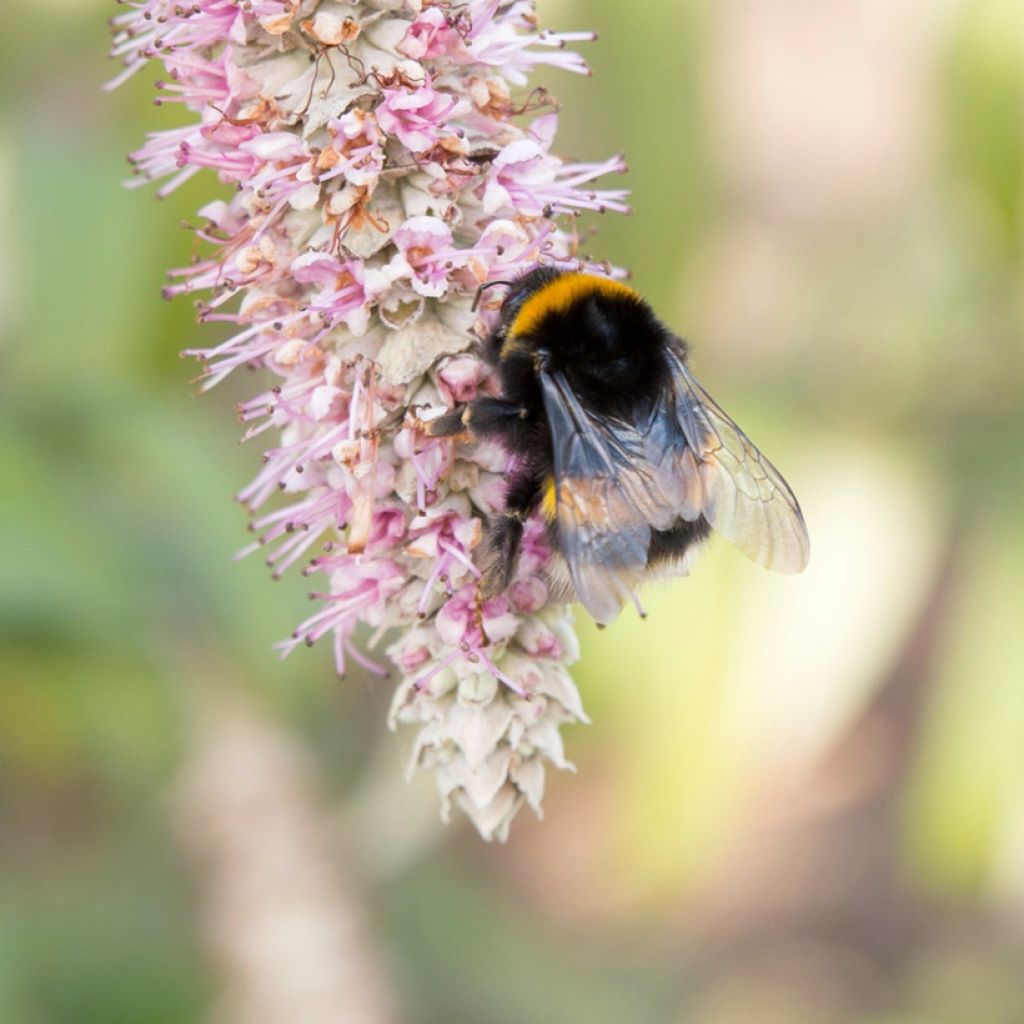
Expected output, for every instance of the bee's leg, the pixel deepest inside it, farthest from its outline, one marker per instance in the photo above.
(450, 424)
(506, 535)
(485, 417)
(495, 417)
(504, 540)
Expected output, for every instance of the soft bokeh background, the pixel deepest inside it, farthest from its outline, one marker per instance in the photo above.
(801, 800)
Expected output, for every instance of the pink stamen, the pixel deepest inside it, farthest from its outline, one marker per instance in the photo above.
(460, 556)
(421, 681)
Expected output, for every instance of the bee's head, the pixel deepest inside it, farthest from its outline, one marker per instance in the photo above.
(522, 288)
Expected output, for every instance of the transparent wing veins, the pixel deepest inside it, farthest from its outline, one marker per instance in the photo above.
(745, 498)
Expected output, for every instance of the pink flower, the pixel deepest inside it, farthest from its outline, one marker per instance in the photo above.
(366, 209)
(527, 180)
(345, 290)
(509, 42)
(357, 150)
(418, 115)
(426, 255)
(430, 36)
(459, 378)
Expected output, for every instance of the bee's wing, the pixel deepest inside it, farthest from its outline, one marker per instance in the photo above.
(742, 495)
(607, 499)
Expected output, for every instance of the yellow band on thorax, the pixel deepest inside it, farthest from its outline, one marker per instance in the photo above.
(559, 295)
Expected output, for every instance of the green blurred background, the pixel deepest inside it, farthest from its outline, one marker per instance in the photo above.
(801, 800)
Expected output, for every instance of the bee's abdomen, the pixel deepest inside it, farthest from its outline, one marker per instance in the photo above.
(670, 548)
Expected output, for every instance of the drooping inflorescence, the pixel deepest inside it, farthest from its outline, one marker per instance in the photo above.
(386, 161)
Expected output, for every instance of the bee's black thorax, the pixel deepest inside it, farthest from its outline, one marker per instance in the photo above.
(610, 351)
(600, 335)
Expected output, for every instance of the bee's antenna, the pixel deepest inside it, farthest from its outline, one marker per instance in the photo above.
(484, 287)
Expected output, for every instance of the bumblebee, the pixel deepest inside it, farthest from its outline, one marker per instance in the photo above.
(628, 459)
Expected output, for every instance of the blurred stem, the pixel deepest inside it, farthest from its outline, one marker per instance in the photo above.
(282, 918)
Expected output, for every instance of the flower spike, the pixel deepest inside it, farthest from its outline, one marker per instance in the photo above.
(384, 174)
